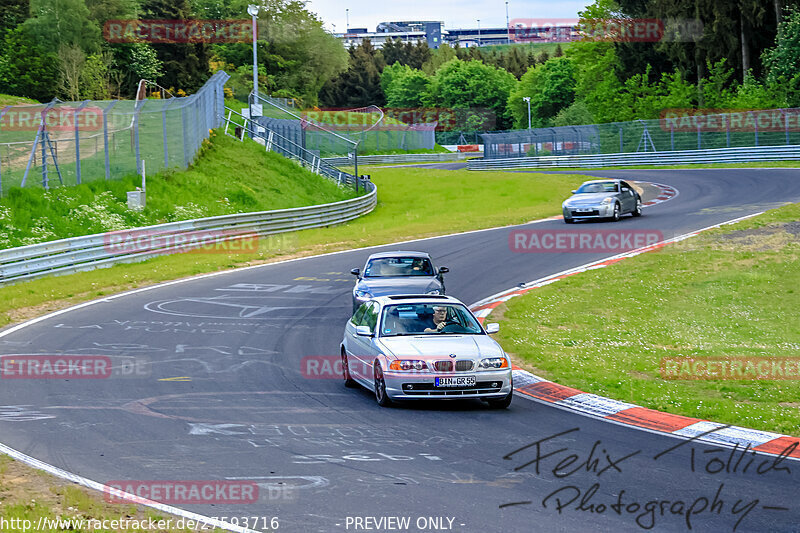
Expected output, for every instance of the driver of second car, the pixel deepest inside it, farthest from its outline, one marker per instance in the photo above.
(439, 319)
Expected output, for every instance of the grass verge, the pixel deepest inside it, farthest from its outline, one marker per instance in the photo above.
(7, 99)
(227, 177)
(29, 495)
(731, 292)
(412, 203)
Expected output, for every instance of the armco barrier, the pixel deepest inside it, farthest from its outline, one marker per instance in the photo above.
(399, 158)
(719, 155)
(93, 251)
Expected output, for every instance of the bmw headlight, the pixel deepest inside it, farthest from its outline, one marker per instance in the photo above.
(608, 200)
(492, 363)
(363, 295)
(408, 364)
(434, 291)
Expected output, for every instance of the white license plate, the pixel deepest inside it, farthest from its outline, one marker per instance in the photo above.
(584, 210)
(457, 381)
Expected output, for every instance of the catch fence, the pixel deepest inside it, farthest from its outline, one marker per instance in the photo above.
(69, 143)
(680, 130)
(337, 132)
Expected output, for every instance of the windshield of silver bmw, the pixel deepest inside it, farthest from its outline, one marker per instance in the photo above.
(392, 267)
(597, 187)
(428, 319)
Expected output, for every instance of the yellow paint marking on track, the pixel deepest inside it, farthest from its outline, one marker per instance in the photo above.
(180, 378)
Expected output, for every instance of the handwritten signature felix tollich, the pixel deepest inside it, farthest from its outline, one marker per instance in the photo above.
(546, 457)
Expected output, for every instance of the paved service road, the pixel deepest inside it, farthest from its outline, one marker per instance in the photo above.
(221, 386)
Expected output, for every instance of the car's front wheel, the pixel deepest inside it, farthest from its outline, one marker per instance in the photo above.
(348, 379)
(637, 211)
(502, 403)
(616, 214)
(380, 387)
(569, 220)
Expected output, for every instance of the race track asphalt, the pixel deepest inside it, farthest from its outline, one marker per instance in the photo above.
(221, 388)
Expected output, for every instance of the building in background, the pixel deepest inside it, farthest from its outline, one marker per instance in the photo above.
(407, 31)
(432, 33)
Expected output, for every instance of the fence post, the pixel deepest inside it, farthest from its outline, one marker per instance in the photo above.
(755, 126)
(786, 124)
(185, 138)
(3, 112)
(78, 143)
(164, 131)
(105, 137)
(45, 182)
(699, 138)
(728, 130)
(620, 140)
(672, 136)
(137, 108)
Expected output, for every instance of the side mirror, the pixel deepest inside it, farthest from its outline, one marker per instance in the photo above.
(443, 270)
(574, 192)
(363, 331)
(492, 328)
(356, 272)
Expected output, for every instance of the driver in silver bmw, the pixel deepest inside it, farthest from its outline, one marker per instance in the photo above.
(439, 320)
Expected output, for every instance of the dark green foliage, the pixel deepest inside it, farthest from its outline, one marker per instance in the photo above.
(26, 68)
(184, 66)
(360, 84)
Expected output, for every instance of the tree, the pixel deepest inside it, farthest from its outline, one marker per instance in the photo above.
(63, 22)
(27, 68)
(408, 87)
(94, 78)
(298, 56)
(360, 84)
(439, 57)
(551, 88)
(70, 67)
(783, 61)
(462, 85)
(12, 14)
(131, 62)
(101, 11)
(185, 65)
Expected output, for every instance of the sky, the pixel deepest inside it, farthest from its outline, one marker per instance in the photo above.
(454, 14)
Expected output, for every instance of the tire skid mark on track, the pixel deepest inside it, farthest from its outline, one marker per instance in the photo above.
(538, 388)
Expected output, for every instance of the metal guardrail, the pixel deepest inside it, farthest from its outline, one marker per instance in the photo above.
(718, 155)
(94, 251)
(400, 158)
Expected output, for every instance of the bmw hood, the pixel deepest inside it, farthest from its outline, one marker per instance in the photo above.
(442, 345)
(408, 285)
(589, 198)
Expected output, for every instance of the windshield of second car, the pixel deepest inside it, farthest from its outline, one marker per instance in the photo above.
(428, 319)
(390, 267)
(597, 187)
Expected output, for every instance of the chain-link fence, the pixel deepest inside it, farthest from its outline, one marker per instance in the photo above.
(681, 130)
(336, 132)
(68, 143)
